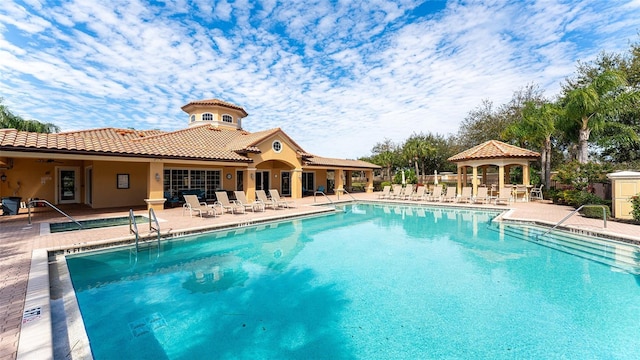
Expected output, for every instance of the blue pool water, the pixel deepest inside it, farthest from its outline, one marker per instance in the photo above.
(374, 282)
(95, 223)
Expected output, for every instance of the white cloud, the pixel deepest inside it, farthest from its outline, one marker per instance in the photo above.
(336, 76)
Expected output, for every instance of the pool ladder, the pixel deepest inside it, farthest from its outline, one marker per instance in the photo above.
(153, 227)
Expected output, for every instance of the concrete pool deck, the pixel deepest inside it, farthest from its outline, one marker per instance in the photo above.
(21, 244)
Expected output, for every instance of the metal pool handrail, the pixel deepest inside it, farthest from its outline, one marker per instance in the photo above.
(346, 192)
(604, 217)
(133, 227)
(51, 206)
(321, 193)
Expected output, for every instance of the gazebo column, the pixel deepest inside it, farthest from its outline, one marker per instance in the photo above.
(460, 167)
(525, 175)
(507, 175)
(500, 177)
(484, 174)
(474, 181)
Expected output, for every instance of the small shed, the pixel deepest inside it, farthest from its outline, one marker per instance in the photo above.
(493, 153)
(624, 185)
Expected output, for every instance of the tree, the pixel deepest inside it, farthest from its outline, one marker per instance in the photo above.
(415, 150)
(9, 120)
(485, 122)
(617, 138)
(385, 154)
(537, 127)
(588, 107)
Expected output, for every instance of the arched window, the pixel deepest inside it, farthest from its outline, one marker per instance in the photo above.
(227, 118)
(207, 117)
(193, 118)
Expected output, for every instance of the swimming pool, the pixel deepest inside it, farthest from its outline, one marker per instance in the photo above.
(372, 282)
(95, 223)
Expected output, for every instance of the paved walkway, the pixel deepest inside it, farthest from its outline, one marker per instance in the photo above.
(18, 240)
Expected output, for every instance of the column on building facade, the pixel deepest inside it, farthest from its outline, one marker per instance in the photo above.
(250, 183)
(339, 182)
(296, 184)
(155, 187)
(369, 177)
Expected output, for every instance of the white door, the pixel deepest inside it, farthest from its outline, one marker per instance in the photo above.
(68, 187)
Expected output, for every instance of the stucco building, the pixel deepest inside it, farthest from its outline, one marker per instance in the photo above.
(111, 167)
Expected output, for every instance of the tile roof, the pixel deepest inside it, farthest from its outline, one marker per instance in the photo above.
(493, 149)
(218, 102)
(204, 142)
(322, 161)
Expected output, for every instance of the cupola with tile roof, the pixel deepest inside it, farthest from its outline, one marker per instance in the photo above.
(214, 112)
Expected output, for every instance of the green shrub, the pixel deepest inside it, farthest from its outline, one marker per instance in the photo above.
(635, 207)
(595, 212)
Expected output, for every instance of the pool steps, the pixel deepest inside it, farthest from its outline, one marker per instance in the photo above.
(613, 253)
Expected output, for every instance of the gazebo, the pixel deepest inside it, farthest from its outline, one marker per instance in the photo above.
(493, 153)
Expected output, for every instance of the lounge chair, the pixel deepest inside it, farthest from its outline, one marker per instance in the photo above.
(193, 205)
(465, 195)
(275, 196)
(262, 196)
(504, 196)
(229, 206)
(408, 192)
(450, 195)
(397, 192)
(536, 193)
(436, 195)
(420, 193)
(241, 199)
(482, 196)
(386, 192)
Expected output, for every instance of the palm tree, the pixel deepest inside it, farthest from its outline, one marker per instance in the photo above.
(589, 107)
(9, 120)
(537, 127)
(415, 150)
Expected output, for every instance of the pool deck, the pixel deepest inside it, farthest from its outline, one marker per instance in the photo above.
(21, 244)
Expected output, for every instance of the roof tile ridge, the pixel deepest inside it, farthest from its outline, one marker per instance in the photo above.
(74, 132)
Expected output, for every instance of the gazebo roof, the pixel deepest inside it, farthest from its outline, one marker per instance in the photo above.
(493, 149)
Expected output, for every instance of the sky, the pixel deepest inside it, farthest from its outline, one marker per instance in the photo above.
(338, 77)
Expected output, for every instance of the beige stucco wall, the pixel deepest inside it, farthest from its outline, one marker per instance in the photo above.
(105, 191)
(32, 178)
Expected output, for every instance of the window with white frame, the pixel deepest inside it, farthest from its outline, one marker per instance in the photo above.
(277, 146)
(207, 117)
(227, 118)
(183, 179)
(193, 118)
